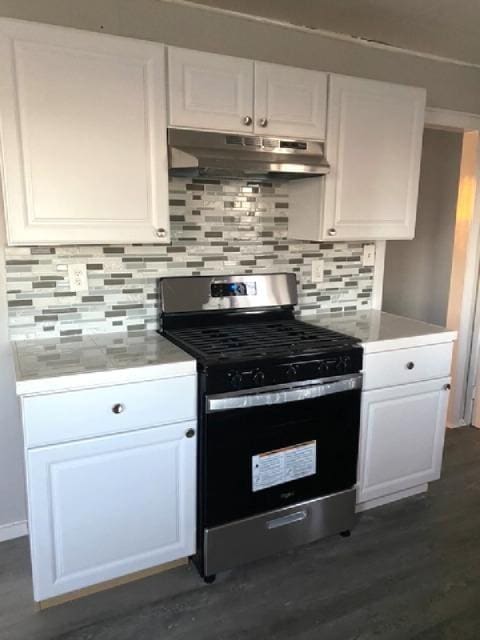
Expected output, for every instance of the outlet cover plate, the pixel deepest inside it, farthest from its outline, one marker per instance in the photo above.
(317, 270)
(77, 274)
(368, 255)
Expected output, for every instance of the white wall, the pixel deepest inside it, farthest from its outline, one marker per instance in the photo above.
(417, 272)
(12, 494)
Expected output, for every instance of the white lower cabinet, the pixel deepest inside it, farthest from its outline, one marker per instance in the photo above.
(109, 506)
(401, 441)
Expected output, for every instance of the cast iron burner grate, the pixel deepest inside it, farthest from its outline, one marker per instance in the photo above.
(255, 340)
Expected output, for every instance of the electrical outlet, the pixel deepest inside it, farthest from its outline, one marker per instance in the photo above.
(368, 255)
(317, 270)
(77, 274)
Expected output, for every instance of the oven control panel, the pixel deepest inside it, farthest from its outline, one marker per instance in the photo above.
(263, 374)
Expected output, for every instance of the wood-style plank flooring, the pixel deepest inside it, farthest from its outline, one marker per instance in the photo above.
(410, 571)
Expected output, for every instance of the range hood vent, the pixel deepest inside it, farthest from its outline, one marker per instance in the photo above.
(223, 155)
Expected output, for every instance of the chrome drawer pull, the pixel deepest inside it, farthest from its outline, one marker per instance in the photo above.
(410, 365)
(298, 516)
(118, 408)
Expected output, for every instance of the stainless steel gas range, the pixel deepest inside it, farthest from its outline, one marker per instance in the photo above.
(279, 412)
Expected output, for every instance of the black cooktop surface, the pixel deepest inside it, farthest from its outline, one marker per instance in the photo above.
(257, 340)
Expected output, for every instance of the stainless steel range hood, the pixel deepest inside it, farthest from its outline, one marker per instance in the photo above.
(203, 153)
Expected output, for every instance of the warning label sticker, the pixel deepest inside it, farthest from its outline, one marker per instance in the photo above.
(284, 465)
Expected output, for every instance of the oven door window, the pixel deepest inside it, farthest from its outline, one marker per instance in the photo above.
(263, 458)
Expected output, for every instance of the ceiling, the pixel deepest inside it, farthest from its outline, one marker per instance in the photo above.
(449, 28)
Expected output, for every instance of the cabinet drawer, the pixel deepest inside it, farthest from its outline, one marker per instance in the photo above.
(402, 366)
(72, 415)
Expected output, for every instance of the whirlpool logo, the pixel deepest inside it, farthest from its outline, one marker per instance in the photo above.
(287, 495)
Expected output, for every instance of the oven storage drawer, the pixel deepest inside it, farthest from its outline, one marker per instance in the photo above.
(403, 366)
(252, 538)
(72, 415)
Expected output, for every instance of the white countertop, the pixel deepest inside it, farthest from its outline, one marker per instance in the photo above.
(380, 331)
(75, 362)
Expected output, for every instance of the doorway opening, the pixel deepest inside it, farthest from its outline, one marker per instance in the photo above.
(428, 278)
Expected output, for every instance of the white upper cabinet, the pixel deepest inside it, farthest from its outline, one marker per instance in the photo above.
(374, 142)
(83, 137)
(221, 93)
(210, 91)
(289, 101)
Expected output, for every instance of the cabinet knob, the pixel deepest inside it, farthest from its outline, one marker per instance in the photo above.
(447, 387)
(332, 232)
(118, 408)
(190, 433)
(410, 365)
(247, 121)
(263, 122)
(160, 233)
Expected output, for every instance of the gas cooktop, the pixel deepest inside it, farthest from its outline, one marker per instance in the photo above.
(257, 340)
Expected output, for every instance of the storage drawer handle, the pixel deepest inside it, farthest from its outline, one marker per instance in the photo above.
(410, 365)
(118, 408)
(298, 516)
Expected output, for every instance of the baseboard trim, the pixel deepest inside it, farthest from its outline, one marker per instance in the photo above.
(13, 530)
(108, 584)
(393, 497)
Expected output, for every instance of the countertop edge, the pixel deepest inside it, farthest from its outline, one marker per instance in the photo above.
(408, 342)
(86, 380)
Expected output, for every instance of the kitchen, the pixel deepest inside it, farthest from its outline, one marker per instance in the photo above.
(82, 272)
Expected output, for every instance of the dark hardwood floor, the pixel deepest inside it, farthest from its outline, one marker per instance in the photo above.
(410, 571)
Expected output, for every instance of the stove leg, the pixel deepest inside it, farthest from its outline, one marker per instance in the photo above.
(346, 534)
(209, 579)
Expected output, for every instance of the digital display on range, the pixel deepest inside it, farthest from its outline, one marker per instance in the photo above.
(230, 289)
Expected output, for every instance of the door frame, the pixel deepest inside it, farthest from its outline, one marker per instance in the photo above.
(468, 342)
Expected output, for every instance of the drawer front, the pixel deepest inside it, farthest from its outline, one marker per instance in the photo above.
(403, 366)
(72, 415)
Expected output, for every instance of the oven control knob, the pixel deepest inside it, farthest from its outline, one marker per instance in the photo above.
(322, 368)
(341, 365)
(291, 372)
(236, 379)
(347, 363)
(258, 377)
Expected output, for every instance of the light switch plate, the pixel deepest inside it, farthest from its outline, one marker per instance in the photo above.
(368, 255)
(77, 274)
(317, 270)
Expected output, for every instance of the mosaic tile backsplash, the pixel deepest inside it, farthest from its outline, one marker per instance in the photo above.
(216, 227)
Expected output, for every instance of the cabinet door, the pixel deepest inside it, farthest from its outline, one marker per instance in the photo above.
(402, 436)
(290, 102)
(107, 507)
(209, 91)
(83, 135)
(374, 141)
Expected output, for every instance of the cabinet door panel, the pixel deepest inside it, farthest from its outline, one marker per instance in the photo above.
(209, 91)
(102, 508)
(83, 136)
(374, 137)
(292, 101)
(402, 436)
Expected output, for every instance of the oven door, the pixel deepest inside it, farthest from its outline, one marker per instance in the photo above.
(280, 446)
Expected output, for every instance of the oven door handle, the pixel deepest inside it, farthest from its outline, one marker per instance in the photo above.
(284, 395)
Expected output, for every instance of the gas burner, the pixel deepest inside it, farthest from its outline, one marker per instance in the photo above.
(256, 340)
